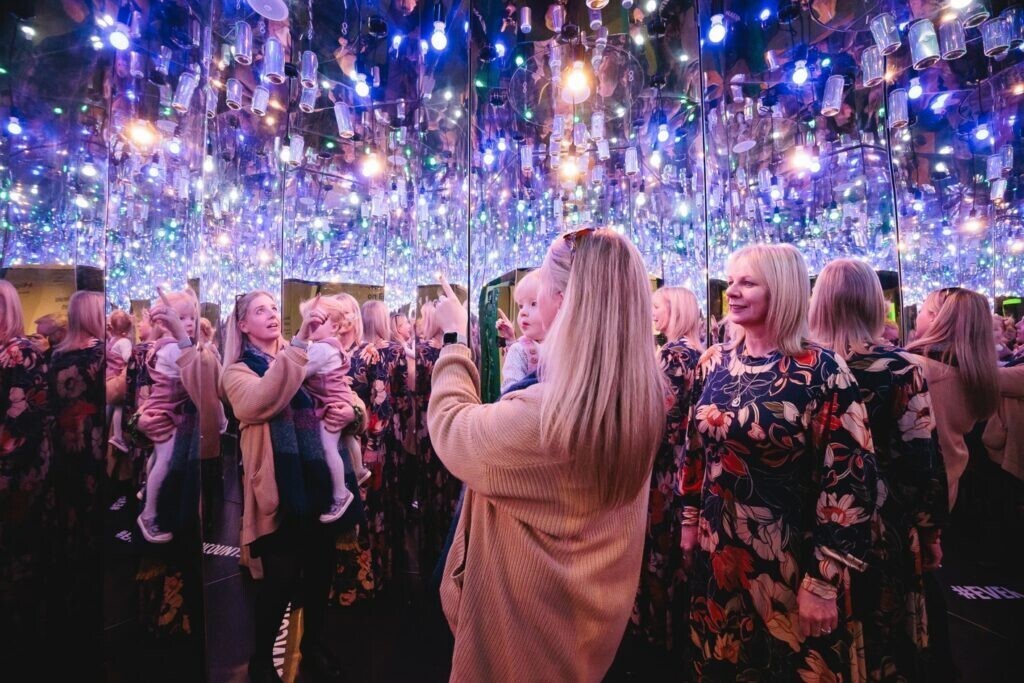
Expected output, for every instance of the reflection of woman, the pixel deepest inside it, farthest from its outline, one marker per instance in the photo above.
(847, 315)
(657, 614)
(287, 484)
(78, 476)
(959, 358)
(439, 490)
(24, 460)
(778, 484)
(387, 410)
(546, 558)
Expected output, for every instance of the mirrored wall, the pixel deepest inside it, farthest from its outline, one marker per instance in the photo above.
(359, 150)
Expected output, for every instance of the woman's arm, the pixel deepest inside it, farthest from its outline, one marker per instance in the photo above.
(471, 437)
(1011, 381)
(257, 399)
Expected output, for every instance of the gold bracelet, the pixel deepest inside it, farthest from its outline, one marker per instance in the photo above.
(822, 589)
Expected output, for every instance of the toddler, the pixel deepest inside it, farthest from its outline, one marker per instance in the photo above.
(164, 404)
(119, 350)
(522, 357)
(328, 383)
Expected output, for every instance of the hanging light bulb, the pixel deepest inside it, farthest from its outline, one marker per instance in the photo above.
(362, 87)
(663, 132)
(570, 169)
(636, 32)
(577, 88)
(119, 38)
(488, 155)
(438, 39)
(915, 90)
(958, 4)
(800, 72)
(372, 166)
(525, 19)
(14, 126)
(717, 31)
(981, 133)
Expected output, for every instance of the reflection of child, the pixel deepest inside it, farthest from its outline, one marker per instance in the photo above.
(166, 399)
(328, 383)
(119, 350)
(522, 357)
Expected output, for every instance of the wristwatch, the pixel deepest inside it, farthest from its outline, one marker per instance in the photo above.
(453, 338)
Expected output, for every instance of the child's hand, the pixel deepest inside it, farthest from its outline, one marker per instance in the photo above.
(370, 354)
(164, 314)
(312, 319)
(504, 326)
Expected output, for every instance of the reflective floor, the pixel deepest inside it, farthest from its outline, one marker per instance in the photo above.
(402, 636)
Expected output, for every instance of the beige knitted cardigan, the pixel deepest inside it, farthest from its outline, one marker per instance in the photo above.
(540, 582)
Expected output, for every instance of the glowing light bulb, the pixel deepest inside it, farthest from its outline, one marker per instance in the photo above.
(958, 4)
(119, 38)
(915, 90)
(362, 87)
(372, 166)
(569, 168)
(28, 31)
(662, 132)
(717, 31)
(14, 126)
(981, 133)
(141, 133)
(81, 202)
(488, 157)
(396, 42)
(800, 72)
(650, 6)
(438, 39)
(765, 15)
(88, 170)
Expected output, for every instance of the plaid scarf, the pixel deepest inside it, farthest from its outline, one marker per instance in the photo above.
(303, 478)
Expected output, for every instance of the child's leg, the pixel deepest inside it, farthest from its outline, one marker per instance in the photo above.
(161, 465)
(355, 453)
(115, 424)
(334, 463)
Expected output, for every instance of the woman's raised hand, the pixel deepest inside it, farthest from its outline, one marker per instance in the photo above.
(505, 329)
(450, 314)
(311, 320)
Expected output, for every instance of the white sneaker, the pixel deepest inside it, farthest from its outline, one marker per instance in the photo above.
(338, 508)
(364, 476)
(152, 533)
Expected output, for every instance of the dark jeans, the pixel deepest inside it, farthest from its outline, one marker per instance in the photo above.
(298, 561)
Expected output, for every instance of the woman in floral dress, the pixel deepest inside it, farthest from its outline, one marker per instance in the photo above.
(847, 315)
(658, 614)
(778, 486)
(24, 462)
(78, 481)
(438, 491)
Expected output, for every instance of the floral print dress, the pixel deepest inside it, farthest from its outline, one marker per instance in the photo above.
(658, 611)
(24, 463)
(439, 490)
(779, 476)
(889, 596)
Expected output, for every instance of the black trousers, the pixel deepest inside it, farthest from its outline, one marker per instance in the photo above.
(298, 562)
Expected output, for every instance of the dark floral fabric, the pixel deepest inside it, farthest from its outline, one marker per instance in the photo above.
(382, 386)
(889, 596)
(24, 464)
(659, 612)
(779, 475)
(438, 490)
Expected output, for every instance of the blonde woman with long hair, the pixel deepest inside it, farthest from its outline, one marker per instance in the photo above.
(543, 571)
(659, 613)
(778, 484)
(848, 315)
(959, 357)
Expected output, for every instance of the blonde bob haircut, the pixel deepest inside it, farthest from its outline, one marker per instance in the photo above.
(12, 319)
(375, 323)
(86, 321)
(333, 308)
(353, 313)
(847, 307)
(234, 338)
(961, 336)
(683, 314)
(603, 403)
(782, 271)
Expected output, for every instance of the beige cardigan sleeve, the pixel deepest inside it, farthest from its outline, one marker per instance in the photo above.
(473, 439)
(1011, 381)
(256, 399)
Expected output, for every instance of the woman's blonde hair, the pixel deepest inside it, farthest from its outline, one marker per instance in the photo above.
(847, 307)
(604, 401)
(12, 319)
(85, 321)
(961, 334)
(351, 308)
(782, 271)
(375, 322)
(234, 338)
(431, 330)
(393, 323)
(683, 314)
